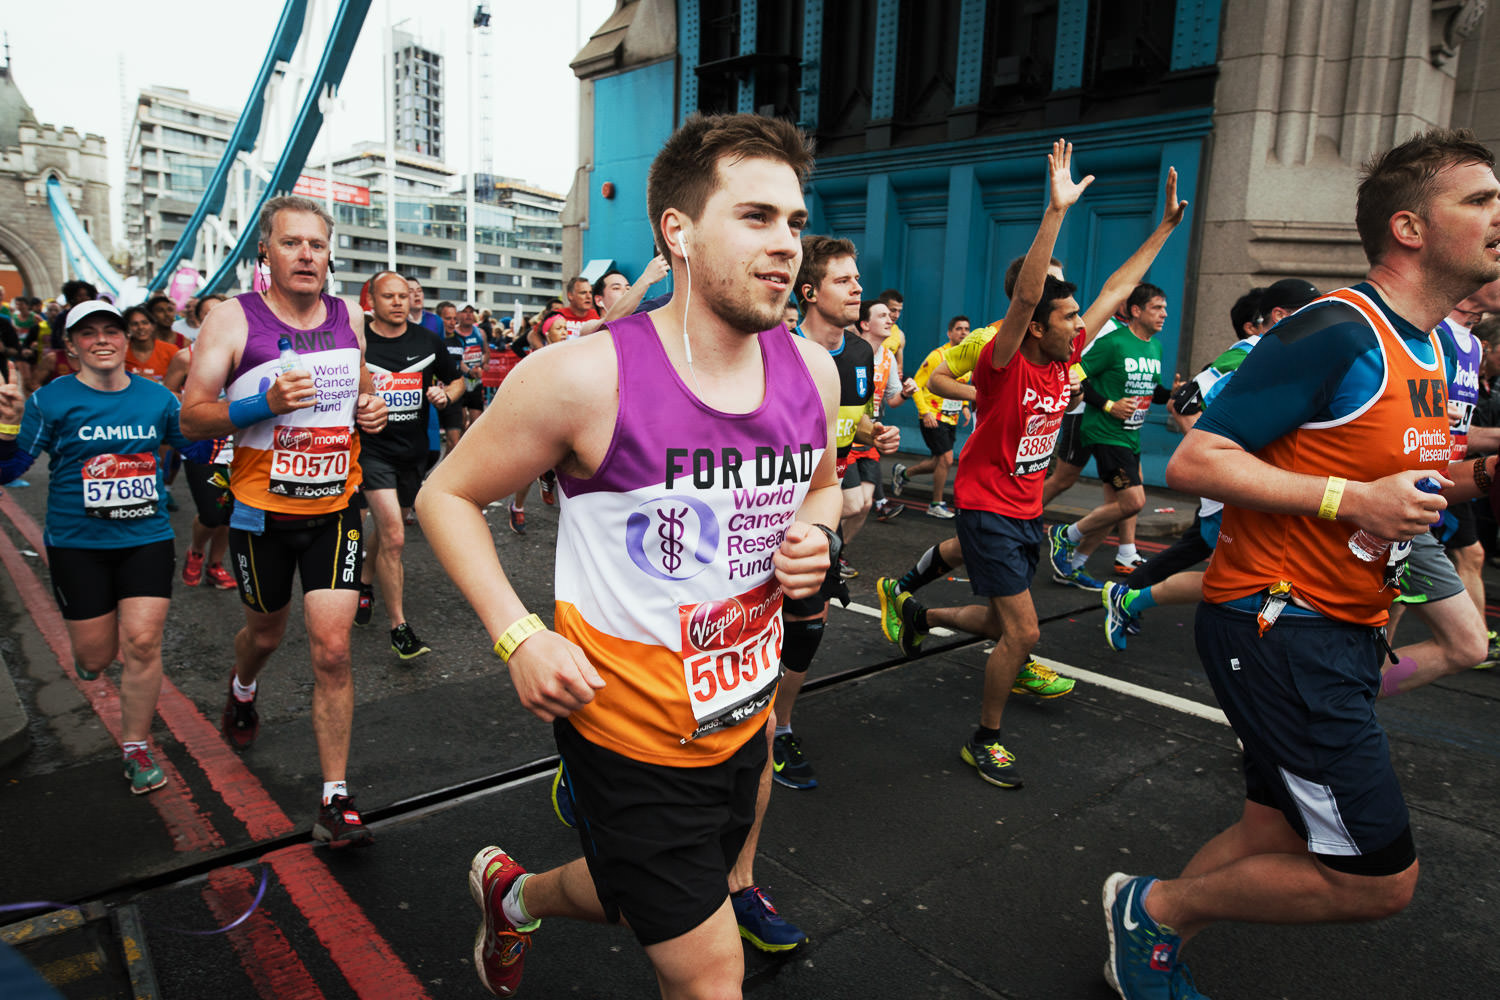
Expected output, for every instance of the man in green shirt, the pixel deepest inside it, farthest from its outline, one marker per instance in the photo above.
(1123, 369)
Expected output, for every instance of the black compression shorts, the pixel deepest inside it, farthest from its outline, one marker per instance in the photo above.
(323, 550)
(92, 582)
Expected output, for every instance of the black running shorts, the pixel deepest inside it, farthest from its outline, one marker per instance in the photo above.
(1118, 466)
(381, 475)
(212, 501)
(92, 582)
(939, 439)
(1070, 447)
(451, 417)
(473, 399)
(660, 841)
(324, 550)
(1301, 698)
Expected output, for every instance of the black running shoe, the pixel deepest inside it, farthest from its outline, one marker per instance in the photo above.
(339, 824)
(366, 606)
(406, 644)
(910, 635)
(788, 766)
(241, 722)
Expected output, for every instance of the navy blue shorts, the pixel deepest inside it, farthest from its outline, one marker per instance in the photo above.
(1000, 552)
(1301, 699)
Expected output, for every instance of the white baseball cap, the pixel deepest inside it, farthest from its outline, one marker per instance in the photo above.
(83, 310)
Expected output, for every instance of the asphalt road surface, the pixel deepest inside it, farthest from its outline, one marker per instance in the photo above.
(912, 877)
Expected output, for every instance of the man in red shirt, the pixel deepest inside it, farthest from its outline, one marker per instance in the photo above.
(578, 311)
(1022, 385)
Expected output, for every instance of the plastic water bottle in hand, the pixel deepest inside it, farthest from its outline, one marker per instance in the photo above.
(1370, 547)
(290, 359)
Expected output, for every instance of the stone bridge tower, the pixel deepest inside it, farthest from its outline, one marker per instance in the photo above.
(30, 154)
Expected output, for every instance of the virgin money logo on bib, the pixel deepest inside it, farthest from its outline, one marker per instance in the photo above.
(381, 380)
(101, 467)
(294, 438)
(716, 625)
(672, 537)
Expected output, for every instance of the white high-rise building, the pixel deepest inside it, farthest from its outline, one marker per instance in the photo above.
(175, 144)
(417, 81)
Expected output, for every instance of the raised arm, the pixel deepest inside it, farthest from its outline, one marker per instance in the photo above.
(1029, 283)
(1120, 284)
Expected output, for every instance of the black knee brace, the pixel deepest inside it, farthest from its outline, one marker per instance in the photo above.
(800, 644)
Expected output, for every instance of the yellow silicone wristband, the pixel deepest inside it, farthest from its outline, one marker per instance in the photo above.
(1333, 493)
(10, 428)
(519, 632)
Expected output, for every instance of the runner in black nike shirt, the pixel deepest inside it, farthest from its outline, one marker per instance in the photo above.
(411, 367)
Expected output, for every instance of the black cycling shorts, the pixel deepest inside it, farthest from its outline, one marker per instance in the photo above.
(660, 841)
(323, 550)
(92, 582)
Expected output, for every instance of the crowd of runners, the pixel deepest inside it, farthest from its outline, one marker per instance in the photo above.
(715, 455)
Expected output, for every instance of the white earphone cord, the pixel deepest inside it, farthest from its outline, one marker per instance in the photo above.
(687, 345)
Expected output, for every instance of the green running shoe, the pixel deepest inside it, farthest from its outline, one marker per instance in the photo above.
(889, 589)
(1044, 682)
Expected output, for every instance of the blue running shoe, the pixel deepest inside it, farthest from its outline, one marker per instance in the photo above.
(761, 925)
(1142, 962)
(1116, 618)
(562, 798)
(1060, 551)
(1078, 578)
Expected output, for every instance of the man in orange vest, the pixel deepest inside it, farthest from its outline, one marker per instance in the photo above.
(1317, 448)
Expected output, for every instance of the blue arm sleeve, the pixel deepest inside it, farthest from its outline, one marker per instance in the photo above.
(1315, 365)
(13, 461)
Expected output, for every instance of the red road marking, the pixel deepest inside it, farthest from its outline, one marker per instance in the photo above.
(240, 789)
(356, 947)
(191, 830)
(362, 955)
(263, 950)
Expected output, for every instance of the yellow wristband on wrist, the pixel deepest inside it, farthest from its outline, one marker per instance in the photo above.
(1333, 493)
(10, 428)
(519, 632)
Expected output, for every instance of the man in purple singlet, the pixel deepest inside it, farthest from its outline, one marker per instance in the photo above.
(693, 446)
(296, 464)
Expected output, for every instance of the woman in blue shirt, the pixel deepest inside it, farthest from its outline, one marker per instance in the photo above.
(109, 543)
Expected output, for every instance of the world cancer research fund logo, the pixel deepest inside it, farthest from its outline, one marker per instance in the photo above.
(672, 537)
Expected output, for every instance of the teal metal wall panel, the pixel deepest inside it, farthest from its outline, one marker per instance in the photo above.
(625, 142)
(970, 53)
(747, 47)
(812, 48)
(941, 224)
(1072, 41)
(688, 30)
(887, 23)
(1195, 34)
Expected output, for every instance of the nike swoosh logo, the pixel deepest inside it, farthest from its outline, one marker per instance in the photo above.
(1130, 924)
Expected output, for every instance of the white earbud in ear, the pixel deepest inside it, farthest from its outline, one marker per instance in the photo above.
(683, 243)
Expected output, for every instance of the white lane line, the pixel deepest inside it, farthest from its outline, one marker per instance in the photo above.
(1176, 703)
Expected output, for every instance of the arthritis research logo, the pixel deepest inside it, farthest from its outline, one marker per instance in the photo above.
(672, 537)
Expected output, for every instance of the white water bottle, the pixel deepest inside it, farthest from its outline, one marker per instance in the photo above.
(1370, 547)
(290, 359)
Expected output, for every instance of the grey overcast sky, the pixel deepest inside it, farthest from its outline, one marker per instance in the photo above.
(213, 49)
